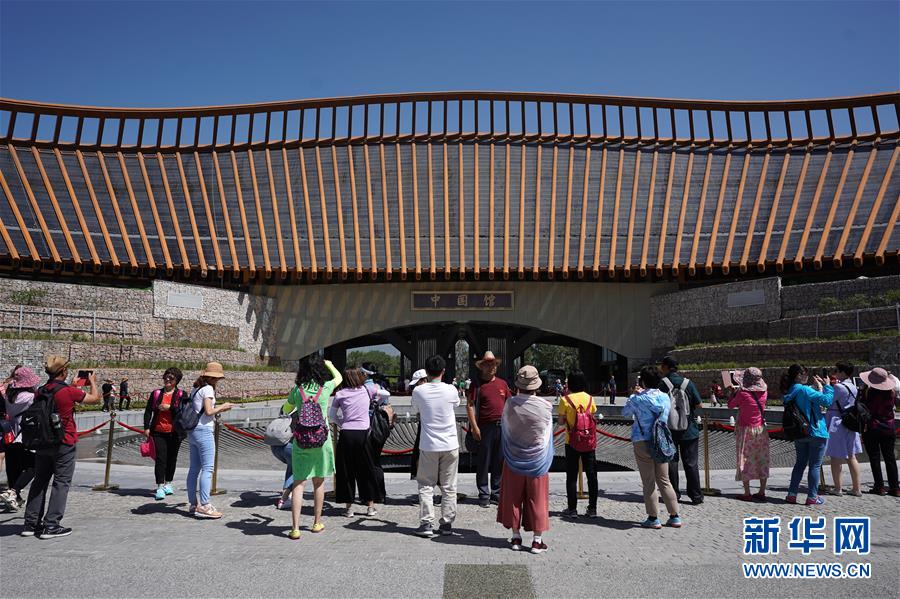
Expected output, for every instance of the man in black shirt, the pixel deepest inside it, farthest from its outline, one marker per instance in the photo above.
(124, 398)
(107, 395)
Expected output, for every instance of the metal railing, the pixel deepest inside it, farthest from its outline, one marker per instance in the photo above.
(24, 317)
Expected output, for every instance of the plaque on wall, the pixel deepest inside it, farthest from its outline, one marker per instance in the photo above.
(462, 300)
(178, 299)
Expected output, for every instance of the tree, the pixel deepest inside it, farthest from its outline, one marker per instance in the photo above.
(384, 362)
(544, 356)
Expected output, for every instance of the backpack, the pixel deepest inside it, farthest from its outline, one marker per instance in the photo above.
(583, 436)
(794, 422)
(187, 418)
(662, 447)
(680, 410)
(40, 425)
(308, 422)
(379, 424)
(857, 417)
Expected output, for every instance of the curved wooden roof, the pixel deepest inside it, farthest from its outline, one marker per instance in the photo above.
(450, 185)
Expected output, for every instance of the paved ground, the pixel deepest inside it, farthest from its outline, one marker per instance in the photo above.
(128, 545)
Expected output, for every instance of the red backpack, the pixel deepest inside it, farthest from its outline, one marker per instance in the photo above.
(583, 436)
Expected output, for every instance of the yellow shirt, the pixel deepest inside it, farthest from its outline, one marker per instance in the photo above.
(581, 400)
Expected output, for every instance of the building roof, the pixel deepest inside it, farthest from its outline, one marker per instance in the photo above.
(450, 185)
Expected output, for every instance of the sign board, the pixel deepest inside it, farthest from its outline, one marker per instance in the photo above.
(177, 299)
(462, 300)
(741, 299)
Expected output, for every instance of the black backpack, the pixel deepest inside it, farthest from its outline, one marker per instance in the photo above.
(794, 421)
(40, 424)
(379, 424)
(857, 417)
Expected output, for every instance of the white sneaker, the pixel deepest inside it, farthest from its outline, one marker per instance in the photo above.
(348, 512)
(371, 512)
(9, 499)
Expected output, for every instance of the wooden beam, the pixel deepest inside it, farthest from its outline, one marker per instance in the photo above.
(810, 217)
(873, 214)
(263, 236)
(101, 219)
(67, 235)
(761, 261)
(353, 198)
(38, 214)
(416, 235)
(326, 240)
(779, 262)
(388, 267)
(373, 258)
(566, 238)
(584, 206)
(447, 259)
(521, 269)
(145, 241)
(888, 231)
(193, 220)
(339, 206)
(599, 236)
(400, 216)
(35, 255)
(506, 210)
(211, 223)
(726, 259)
(476, 216)
(152, 201)
(92, 250)
(235, 262)
(282, 263)
(462, 205)
(704, 189)
(634, 196)
(745, 255)
(661, 251)
(676, 256)
(310, 238)
(838, 257)
(836, 200)
(714, 233)
(648, 223)
(251, 260)
(611, 268)
(433, 268)
(186, 263)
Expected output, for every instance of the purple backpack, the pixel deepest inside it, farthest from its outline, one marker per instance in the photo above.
(308, 422)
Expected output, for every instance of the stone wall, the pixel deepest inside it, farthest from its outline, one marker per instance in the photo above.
(235, 384)
(835, 324)
(78, 297)
(716, 306)
(797, 300)
(32, 353)
(252, 315)
(863, 351)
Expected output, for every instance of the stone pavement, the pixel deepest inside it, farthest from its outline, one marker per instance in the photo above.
(128, 545)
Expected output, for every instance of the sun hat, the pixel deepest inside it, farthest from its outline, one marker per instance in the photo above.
(879, 378)
(752, 380)
(488, 357)
(528, 379)
(55, 364)
(417, 376)
(24, 378)
(213, 370)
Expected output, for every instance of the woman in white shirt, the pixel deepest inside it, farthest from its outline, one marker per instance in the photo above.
(202, 441)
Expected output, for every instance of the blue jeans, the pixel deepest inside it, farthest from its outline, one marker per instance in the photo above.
(284, 454)
(811, 452)
(203, 452)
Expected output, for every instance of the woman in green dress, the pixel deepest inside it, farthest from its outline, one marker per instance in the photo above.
(314, 375)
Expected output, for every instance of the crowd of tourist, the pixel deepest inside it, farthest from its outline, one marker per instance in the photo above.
(335, 423)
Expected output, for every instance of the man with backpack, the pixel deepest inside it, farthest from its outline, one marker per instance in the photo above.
(576, 413)
(48, 429)
(683, 423)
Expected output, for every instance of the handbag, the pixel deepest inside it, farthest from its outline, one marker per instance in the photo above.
(148, 448)
(278, 432)
(9, 436)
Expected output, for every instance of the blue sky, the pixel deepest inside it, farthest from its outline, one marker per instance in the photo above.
(188, 53)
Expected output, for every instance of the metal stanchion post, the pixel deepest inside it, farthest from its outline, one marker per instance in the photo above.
(109, 447)
(215, 475)
(333, 438)
(823, 487)
(707, 489)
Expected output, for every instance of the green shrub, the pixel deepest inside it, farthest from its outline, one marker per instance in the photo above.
(890, 298)
(26, 297)
(830, 304)
(858, 302)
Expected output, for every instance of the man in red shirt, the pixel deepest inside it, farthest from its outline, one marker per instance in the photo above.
(484, 407)
(58, 463)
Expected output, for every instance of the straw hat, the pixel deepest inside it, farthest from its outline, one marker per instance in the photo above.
(488, 358)
(879, 378)
(417, 376)
(213, 370)
(24, 378)
(752, 380)
(55, 365)
(528, 379)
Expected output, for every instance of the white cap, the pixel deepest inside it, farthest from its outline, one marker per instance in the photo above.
(417, 376)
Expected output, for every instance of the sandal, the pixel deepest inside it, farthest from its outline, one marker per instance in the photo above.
(744, 497)
(317, 527)
(294, 534)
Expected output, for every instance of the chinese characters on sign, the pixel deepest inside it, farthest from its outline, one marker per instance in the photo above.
(807, 534)
(462, 300)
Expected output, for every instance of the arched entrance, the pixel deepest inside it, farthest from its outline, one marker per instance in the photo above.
(509, 342)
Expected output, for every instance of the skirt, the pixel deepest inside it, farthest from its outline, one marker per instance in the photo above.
(842, 442)
(314, 462)
(752, 453)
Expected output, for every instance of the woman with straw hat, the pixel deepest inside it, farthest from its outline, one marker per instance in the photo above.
(751, 435)
(202, 442)
(879, 439)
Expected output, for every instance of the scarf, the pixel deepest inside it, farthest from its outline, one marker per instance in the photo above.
(526, 436)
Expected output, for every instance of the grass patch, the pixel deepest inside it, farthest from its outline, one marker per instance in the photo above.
(789, 340)
(163, 364)
(769, 364)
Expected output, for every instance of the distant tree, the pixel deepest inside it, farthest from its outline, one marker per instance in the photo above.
(385, 362)
(544, 356)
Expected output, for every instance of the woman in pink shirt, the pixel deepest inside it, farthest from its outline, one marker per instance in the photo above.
(354, 461)
(752, 438)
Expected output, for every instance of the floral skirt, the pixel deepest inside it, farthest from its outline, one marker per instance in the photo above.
(752, 453)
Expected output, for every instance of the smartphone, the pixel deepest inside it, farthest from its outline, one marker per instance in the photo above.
(82, 378)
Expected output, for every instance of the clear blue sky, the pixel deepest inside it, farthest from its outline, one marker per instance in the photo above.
(189, 53)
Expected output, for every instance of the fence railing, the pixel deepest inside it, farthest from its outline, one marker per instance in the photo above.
(863, 320)
(58, 322)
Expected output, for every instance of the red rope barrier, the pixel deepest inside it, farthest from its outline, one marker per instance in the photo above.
(396, 452)
(243, 433)
(140, 431)
(90, 430)
(612, 436)
(559, 432)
